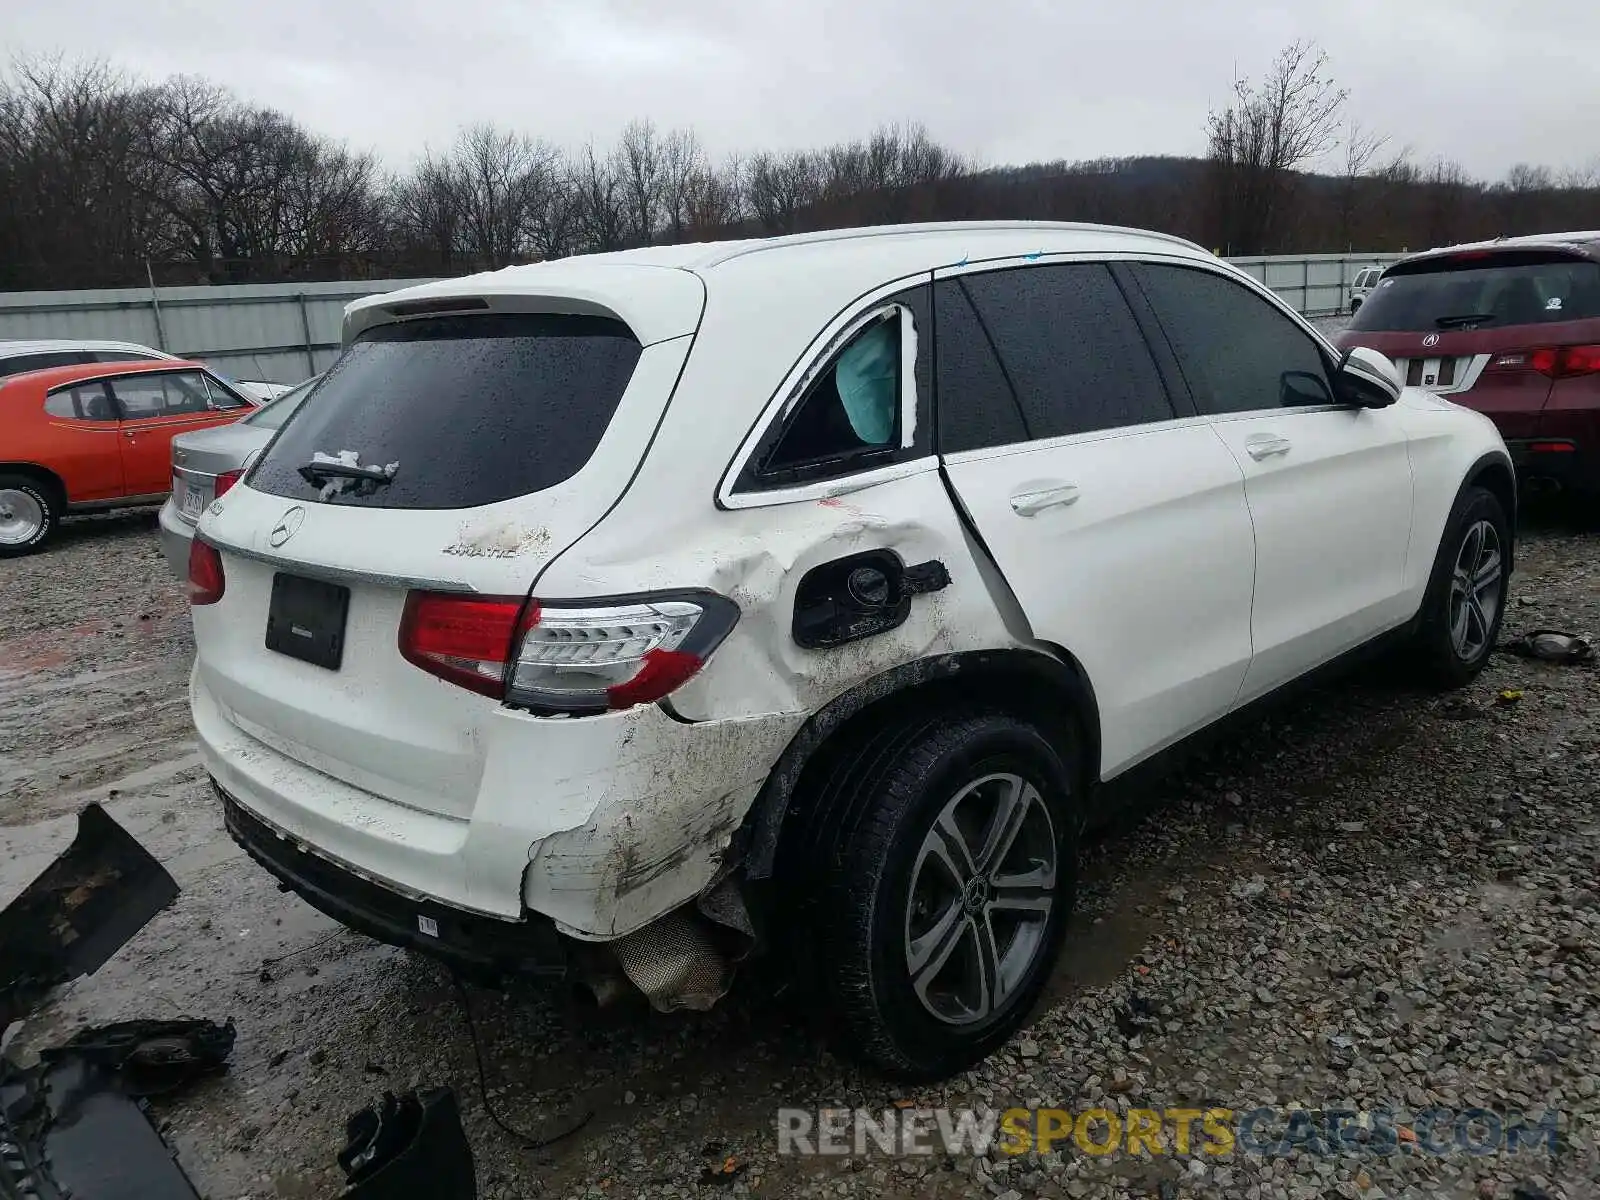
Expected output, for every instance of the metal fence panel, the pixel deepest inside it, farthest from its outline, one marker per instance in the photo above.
(284, 332)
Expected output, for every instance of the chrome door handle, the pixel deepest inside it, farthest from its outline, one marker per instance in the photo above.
(1026, 504)
(1266, 447)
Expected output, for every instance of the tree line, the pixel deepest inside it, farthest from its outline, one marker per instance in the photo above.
(111, 181)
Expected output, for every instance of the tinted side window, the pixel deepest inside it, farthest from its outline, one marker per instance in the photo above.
(1237, 352)
(976, 405)
(850, 417)
(1070, 347)
(851, 409)
(42, 362)
(86, 402)
(161, 395)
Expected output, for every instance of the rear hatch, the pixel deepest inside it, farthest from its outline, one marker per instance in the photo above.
(1491, 329)
(504, 436)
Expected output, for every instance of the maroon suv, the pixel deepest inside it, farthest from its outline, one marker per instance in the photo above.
(1510, 328)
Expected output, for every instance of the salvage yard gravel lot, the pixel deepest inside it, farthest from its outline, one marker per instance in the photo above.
(1377, 897)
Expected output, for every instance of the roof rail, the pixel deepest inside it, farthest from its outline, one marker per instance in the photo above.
(821, 236)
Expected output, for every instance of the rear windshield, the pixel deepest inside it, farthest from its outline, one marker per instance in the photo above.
(468, 410)
(1483, 297)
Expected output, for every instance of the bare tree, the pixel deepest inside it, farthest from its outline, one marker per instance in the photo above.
(640, 168)
(602, 215)
(1361, 149)
(778, 187)
(714, 200)
(1267, 132)
(682, 161)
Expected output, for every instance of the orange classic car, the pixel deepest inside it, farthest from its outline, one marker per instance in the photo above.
(95, 437)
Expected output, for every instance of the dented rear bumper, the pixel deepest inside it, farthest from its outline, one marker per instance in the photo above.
(598, 825)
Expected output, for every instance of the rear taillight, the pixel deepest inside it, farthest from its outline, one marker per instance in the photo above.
(569, 658)
(225, 481)
(206, 581)
(464, 640)
(1555, 362)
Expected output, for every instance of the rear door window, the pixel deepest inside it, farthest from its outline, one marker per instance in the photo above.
(1237, 351)
(161, 394)
(1458, 295)
(472, 409)
(86, 402)
(1068, 346)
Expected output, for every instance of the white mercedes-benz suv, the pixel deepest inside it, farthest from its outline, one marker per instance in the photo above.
(624, 615)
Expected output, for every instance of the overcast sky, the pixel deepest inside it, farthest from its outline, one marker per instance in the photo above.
(1485, 82)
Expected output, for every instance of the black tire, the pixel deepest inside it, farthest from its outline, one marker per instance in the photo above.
(1446, 660)
(871, 860)
(1355, 307)
(49, 507)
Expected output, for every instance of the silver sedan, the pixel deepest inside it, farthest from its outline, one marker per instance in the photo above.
(208, 462)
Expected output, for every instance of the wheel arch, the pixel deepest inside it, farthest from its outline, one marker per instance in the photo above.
(44, 475)
(1030, 683)
(1494, 473)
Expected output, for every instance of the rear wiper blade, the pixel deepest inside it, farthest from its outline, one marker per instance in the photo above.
(1461, 319)
(334, 473)
(319, 473)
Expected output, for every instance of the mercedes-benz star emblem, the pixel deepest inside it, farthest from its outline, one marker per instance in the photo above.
(287, 527)
(1431, 340)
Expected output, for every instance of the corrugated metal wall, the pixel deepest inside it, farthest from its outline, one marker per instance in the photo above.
(281, 332)
(284, 332)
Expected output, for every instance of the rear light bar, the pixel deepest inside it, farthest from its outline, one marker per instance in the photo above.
(464, 640)
(206, 580)
(569, 658)
(1555, 362)
(225, 481)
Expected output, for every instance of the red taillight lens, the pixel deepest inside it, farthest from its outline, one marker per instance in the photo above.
(464, 640)
(576, 658)
(1555, 362)
(1580, 360)
(225, 481)
(206, 581)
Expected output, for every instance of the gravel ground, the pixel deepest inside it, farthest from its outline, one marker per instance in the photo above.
(1377, 898)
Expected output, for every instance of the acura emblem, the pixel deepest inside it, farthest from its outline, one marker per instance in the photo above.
(288, 527)
(1431, 340)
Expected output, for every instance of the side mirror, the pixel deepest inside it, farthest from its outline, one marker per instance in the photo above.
(1367, 379)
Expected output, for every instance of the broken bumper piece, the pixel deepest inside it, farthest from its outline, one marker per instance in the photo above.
(484, 948)
(72, 1128)
(409, 1147)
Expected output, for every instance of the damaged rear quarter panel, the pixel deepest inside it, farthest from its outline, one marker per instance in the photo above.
(757, 557)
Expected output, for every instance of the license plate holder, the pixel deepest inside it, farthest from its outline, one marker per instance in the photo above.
(306, 619)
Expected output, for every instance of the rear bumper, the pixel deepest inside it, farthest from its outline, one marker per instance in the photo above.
(1557, 460)
(176, 534)
(601, 824)
(479, 946)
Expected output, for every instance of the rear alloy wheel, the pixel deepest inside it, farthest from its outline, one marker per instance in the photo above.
(1466, 596)
(945, 902)
(27, 515)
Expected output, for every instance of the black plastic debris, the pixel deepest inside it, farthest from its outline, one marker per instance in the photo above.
(151, 1058)
(73, 1127)
(1551, 645)
(407, 1147)
(69, 1135)
(80, 911)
